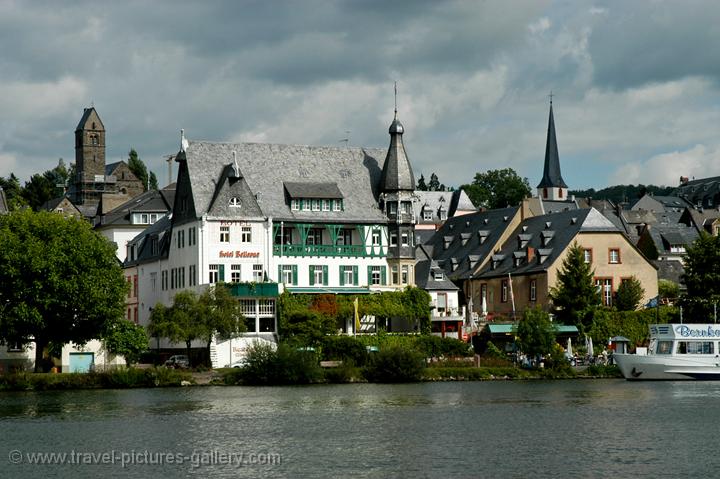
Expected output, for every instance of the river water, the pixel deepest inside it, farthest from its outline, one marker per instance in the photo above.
(498, 429)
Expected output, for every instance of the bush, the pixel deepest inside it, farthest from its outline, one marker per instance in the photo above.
(395, 365)
(347, 372)
(435, 347)
(344, 348)
(286, 365)
(492, 351)
(474, 374)
(116, 378)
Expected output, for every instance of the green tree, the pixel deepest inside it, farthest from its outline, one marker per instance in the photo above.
(13, 192)
(38, 191)
(497, 189)
(702, 276)
(126, 339)
(153, 181)
(421, 186)
(668, 289)
(629, 294)
(535, 333)
(434, 184)
(220, 314)
(138, 168)
(575, 294)
(181, 322)
(61, 281)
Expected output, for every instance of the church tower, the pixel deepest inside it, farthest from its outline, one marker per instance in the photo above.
(552, 186)
(89, 158)
(397, 185)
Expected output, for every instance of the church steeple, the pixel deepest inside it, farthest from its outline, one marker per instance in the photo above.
(397, 174)
(552, 186)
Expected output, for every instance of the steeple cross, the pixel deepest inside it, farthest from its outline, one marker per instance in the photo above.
(551, 96)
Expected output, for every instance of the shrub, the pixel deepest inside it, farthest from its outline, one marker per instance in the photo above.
(347, 372)
(492, 351)
(286, 365)
(344, 348)
(395, 365)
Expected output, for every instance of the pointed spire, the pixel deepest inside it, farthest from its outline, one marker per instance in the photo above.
(397, 173)
(551, 171)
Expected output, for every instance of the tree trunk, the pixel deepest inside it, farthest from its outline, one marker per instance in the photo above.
(40, 345)
(187, 344)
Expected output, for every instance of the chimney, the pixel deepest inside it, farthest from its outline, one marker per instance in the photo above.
(530, 254)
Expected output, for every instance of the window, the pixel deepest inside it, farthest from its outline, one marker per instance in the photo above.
(587, 255)
(504, 291)
(286, 274)
(392, 209)
(664, 347)
(153, 281)
(614, 256)
(295, 205)
(164, 280)
(135, 286)
(317, 274)
(405, 274)
(438, 276)
(427, 214)
(375, 275)
(404, 239)
(192, 275)
(376, 237)
(235, 202)
(346, 275)
(393, 239)
(314, 237)
(326, 205)
(695, 347)
(181, 277)
(315, 205)
(235, 273)
(345, 237)
(214, 273)
(443, 214)
(286, 237)
(192, 236)
(224, 234)
(305, 205)
(246, 234)
(394, 272)
(605, 286)
(257, 273)
(533, 290)
(337, 205)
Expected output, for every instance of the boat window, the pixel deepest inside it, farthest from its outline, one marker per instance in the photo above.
(664, 347)
(695, 347)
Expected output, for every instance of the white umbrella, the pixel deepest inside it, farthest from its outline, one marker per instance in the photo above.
(468, 314)
(569, 347)
(484, 306)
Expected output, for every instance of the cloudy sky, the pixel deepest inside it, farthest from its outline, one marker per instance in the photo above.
(636, 84)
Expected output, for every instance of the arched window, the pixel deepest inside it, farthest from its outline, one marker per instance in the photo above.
(234, 202)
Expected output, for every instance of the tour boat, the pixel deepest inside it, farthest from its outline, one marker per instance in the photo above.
(676, 351)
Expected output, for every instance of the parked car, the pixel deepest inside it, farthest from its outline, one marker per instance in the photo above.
(178, 361)
(240, 363)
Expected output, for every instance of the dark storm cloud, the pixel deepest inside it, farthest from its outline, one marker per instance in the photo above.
(635, 43)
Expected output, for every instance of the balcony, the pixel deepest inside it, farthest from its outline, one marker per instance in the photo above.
(253, 289)
(354, 251)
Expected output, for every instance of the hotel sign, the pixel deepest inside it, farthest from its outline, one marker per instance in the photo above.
(239, 254)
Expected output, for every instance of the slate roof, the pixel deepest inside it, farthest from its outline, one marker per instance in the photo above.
(565, 226)
(704, 192)
(313, 190)
(485, 229)
(152, 201)
(550, 206)
(551, 170)
(664, 236)
(397, 173)
(451, 201)
(700, 219)
(671, 270)
(266, 168)
(161, 230)
(86, 114)
(425, 270)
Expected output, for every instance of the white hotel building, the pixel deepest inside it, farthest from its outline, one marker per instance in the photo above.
(313, 219)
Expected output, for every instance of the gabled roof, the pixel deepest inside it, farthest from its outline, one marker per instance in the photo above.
(267, 167)
(87, 113)
(451, 201)
(485, 229)
(565, 227)
(665, 236)
(152, 201)
(426, 270)
(161, 231)
(551, 170)
(233, 198)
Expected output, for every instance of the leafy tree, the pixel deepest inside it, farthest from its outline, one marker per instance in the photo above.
(13, 192)
(180, 323)
(126, 339)
(629, 294)
(421, 186)
(138, 168)
(220, 314)
(435, 184)
(575, 294)
(153, 181)
(702, 276)
(38, 191)
(60, 281)
(623, 193)
(535, 333)
(668, 289)
(497, 189)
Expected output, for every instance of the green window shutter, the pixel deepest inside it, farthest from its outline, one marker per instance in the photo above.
(221, 273)
(312, 275)
(325, 275)
(294, 274)
(342, 275)
(280, 278)
(355, 275)
(383, 275)
(369, 275)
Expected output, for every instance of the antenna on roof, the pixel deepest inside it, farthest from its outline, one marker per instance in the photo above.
(235, 165)
(551, 95)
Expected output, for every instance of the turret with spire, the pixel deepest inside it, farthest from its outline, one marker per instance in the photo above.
(397, 186)
(552, 186)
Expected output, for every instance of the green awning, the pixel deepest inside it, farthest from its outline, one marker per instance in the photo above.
(321, 290)
(512, 328)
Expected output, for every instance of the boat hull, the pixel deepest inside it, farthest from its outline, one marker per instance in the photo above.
(668, 367)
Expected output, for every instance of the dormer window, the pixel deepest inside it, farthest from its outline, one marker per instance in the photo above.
(234, 202)
(438, 276)
(483, 235)
(442, 213)
(447, 241)
(547, 236)
(427, 214)
(464, 238)
(454, 264)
